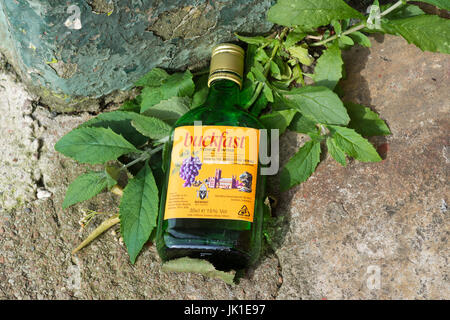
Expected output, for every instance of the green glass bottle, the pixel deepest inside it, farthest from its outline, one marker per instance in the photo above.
(212, 201)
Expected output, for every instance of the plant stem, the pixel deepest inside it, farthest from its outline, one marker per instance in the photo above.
(261, 85)
(144, 156)
(357, 27)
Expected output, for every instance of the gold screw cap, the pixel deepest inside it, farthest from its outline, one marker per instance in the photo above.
(227, 62)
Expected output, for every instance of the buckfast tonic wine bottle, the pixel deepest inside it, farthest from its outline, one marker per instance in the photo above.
(212, 201)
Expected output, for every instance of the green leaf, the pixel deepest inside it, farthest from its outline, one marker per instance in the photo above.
(154, 78)
(361, 39)
(278, 119)
(138, 211)
(283, 66)
(250, 55)
(257, 40)
(247, 91)
(300, 167)
(328, 70)
(293, 38)
(169, 110)
(302, 124)
(428, 32)
(320, 104)
(353, 144)
(365, 121)
(275, 70)
(85, 187)
(443, 4)
(310, 13)
(336, 26)
(261, 55)
(151, 127)
(336, 152)
(301, 54)
(201, 266)
(93, 145)
(259, 105)
(268, 93)
(177, 85)
(120, 123)
(345, 41)
(201, 91)
(258, 72)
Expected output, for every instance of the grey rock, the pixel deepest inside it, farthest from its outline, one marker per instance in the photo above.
(70, 54)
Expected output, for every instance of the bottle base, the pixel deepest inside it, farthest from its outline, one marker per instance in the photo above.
(223, 258)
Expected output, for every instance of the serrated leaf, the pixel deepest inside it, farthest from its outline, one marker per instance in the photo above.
(176, 85)
(169, 110)
(320, 104)
(120, 123)
(154, 78)
(361, 39)
(328, 70)
(201, 266)
(93, 145)
(138, 211)
(301, 54)
(428, 32)
(302, 124)
(85, 187)
(310, 13)
(300, 167)
(353, 144)
(365, 121)
(278, 119)
(151, 127)
(336, 152)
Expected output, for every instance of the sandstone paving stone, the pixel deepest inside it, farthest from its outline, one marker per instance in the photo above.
(19, 145)
(344, 225)
(329, 239)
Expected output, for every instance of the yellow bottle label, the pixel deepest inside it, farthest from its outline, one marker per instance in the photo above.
(213, 173)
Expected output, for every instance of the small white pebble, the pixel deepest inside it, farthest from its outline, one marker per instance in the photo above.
(43, 194)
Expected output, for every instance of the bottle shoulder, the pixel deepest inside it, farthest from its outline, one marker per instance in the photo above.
(215, 115)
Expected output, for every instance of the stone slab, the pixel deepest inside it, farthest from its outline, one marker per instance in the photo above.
(330, 236)
(70, 54)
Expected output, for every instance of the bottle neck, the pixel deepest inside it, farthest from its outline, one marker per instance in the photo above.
(224, 93)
